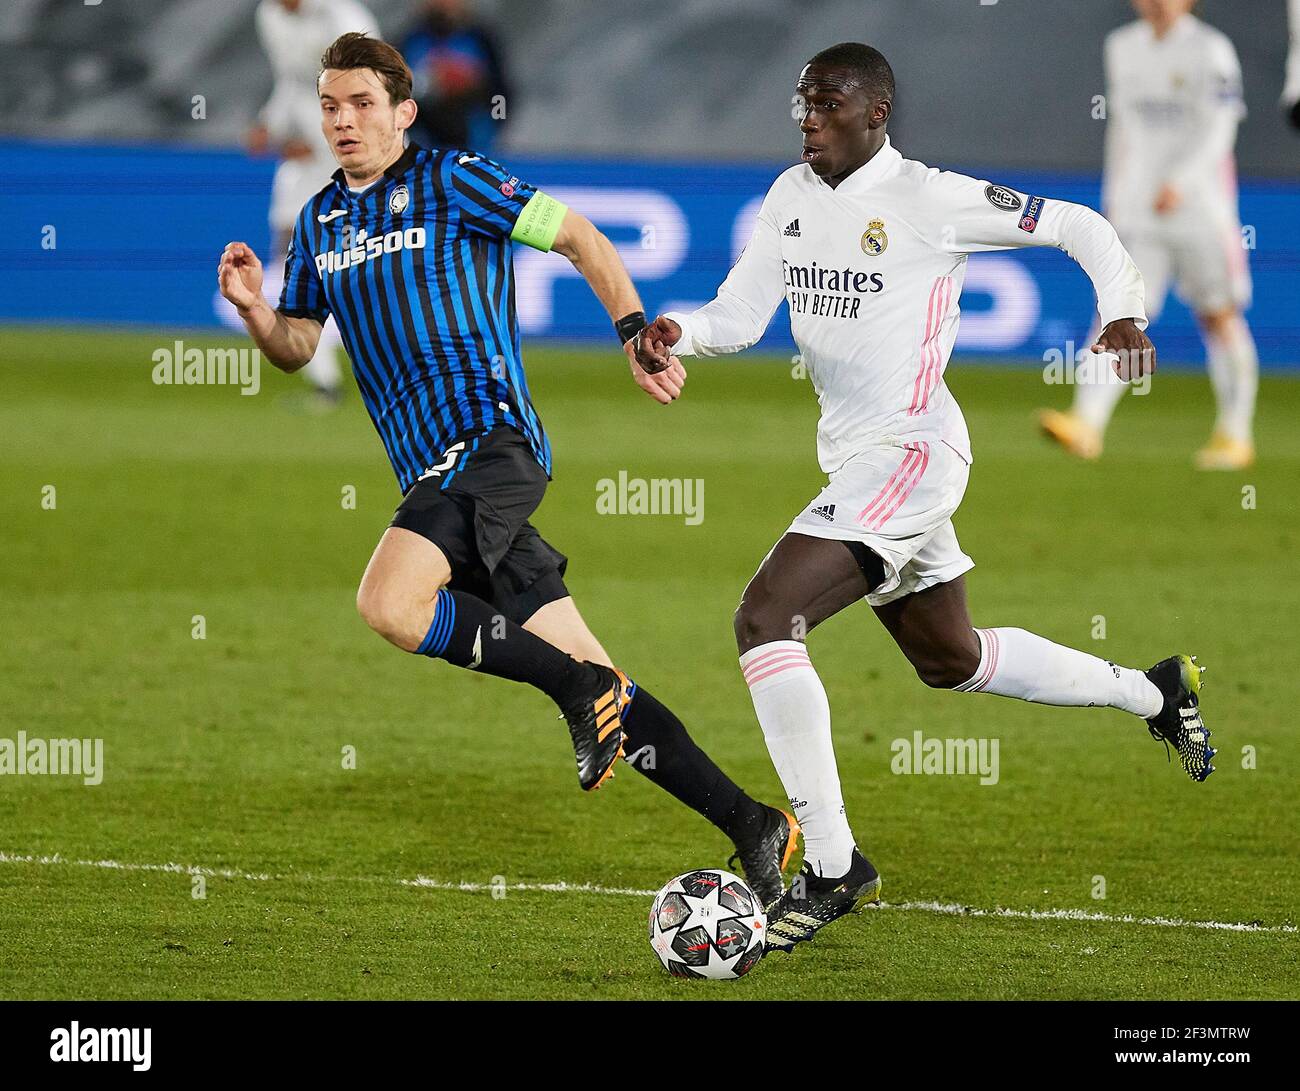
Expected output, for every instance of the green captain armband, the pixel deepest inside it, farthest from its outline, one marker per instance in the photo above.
(539, 222)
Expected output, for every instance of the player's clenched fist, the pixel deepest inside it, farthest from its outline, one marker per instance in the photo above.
(653, 344)
(239, 276)
(1137, 355)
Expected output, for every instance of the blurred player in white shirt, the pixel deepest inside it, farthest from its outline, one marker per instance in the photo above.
(1174, 101)
(1291, 90)
(869, 250)
(294, 34)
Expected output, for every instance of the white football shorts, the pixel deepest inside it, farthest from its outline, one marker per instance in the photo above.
(1205, 262)
(898, 501)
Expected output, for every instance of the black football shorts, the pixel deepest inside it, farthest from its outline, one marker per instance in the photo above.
(475, 508)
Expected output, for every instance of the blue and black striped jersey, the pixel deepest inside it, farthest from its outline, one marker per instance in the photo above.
(416, 270)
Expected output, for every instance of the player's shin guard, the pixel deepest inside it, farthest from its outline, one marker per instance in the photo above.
(469, 633)
(796, 719)
(1016, 663)
(659, 748)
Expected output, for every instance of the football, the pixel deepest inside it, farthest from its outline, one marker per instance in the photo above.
(707, 923)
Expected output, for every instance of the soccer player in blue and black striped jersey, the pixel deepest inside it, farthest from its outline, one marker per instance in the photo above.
(410, 250)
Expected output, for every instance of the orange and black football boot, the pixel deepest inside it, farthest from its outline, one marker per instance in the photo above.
(764, 859)
(595, 722)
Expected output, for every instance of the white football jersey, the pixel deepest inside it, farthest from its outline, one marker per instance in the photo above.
(294, 42)
(1291, 91)
(872, 271)
(1173, 105)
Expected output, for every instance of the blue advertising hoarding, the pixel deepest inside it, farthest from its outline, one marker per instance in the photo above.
(131, 235)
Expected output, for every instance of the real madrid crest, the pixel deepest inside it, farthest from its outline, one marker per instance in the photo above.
(398, 200)
(874, 239)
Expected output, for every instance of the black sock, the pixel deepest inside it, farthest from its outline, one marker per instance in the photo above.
(659, 748)
(467, 632)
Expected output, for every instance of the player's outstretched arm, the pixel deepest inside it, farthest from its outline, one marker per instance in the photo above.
(594, 256)
(739, 314)
(976, 216)
(288, 343)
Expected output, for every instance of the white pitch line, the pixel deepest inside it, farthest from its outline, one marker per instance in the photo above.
(528, 888)
(948, 909)
(114, 865)
(1085, 915)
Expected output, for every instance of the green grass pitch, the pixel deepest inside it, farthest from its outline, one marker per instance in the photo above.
(227, 752)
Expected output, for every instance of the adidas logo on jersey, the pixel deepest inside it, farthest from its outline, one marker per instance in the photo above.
(827, 512)
(792, 229)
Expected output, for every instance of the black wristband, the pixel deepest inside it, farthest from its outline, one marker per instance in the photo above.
(630, 325)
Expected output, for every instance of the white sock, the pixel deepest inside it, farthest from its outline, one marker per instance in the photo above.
(322, 371)
(1234, 373)
(796, 719)
(1097, 390)
(1015, 663)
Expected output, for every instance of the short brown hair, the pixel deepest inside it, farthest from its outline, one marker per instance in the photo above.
(355, 50)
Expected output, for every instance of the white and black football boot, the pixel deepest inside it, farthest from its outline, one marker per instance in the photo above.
(1179, 723)
(813, 902)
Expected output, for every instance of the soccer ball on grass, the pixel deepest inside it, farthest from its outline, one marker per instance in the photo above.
(707, 923)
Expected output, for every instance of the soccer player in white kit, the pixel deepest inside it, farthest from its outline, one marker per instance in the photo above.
(869, 249)
(1291, 89)
(294, 34)
(1173, 103)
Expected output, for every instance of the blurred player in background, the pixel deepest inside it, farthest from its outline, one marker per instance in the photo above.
(458, 71)
(294, 34)
(411, 251)
(1174, 100)
(1291, 91)
(869, 250)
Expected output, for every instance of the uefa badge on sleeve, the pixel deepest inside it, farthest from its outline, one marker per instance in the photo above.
(398, 200)
(874, 239)
(1029, 221)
